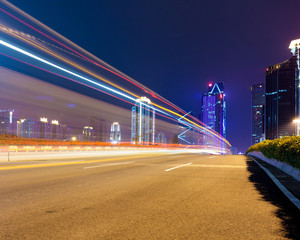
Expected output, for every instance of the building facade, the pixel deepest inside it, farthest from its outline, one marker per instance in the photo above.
(161, 138)
(99, 126)
(87, 134)
(213, 112)
(143, 122)
(8, 122)
(44, 129)
(257, 112)
(28, 128)
(115, 132)
(282, 96)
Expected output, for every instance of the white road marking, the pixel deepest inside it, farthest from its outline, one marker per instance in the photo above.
(213, 157)
(219, 166)
(105, 165)
(286, 192)
(177, 167)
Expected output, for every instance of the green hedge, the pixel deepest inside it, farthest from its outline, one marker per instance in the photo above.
(286, 149)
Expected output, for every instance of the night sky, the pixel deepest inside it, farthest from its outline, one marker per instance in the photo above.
(177, 47)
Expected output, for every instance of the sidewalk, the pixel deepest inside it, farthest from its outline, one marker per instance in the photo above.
(286, 180)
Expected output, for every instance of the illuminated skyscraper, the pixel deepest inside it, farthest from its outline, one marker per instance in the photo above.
(115, 132)
(87, 134)
(8, 122)
(282, 95)
(143, 122)
(56, 130)
(44, 129)
(214, 108)
(27, 128)
(257, 112)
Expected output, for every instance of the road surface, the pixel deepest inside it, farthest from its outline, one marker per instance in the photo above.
(145, 196)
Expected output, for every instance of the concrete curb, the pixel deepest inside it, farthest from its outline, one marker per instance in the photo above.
(285, 191)
(294, 172)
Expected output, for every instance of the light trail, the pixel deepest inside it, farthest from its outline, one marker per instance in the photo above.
(74, 74)
(101, 85)
(128, 95)
(165, 115)
(62, 69)
(36, 45)
(109, 82)
(133, 82)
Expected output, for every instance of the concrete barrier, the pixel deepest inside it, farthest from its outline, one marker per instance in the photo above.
(294, 172)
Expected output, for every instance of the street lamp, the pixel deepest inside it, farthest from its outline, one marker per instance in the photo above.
(297, 123)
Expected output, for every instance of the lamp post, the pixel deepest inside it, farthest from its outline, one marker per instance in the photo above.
(297, 124)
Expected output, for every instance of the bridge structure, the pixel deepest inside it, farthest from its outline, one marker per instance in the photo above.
(47, 58)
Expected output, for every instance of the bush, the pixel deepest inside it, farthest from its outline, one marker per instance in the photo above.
(286, 149)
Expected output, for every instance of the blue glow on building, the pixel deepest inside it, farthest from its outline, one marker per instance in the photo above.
(214, 108)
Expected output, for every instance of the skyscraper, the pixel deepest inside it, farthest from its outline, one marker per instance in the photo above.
(161, 138)
(56, 130)
(214, 108)
(99, 127)
(28, 128)
(44, 129)
(143, 122)
(115, 132)
(87, 134)
(282, 95)
(257, 112)
(8, 122)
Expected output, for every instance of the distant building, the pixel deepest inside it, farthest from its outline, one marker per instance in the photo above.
(282, 96)
(100, 128)
(8, 121)
(87, 134)
(66, 132)
(143, 122)
(257, 112)
(115, 133)
(56, 130)
(27, 128)
(161, 138)
(44, 129)
(214, 108)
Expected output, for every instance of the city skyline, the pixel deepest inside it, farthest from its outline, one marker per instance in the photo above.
(207, 44)
(135, 119)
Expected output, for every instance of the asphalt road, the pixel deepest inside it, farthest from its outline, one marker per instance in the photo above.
(146, 196)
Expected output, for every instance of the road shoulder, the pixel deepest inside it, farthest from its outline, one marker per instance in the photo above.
(286, 183)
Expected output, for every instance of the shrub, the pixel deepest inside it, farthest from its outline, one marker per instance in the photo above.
(286, 149)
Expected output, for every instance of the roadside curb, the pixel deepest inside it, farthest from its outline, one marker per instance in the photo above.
(295, 173)
(284, 190)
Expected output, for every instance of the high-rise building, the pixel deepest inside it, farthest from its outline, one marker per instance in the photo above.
(66, 132)
(115, 133)
(257, 112)
(8, 122)
(161, 138)
(100, 128)
(214, 108)
(143, 122)
(56, 130)
(282, 95)
(87, 134)
(27, 128)
(44, 129)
